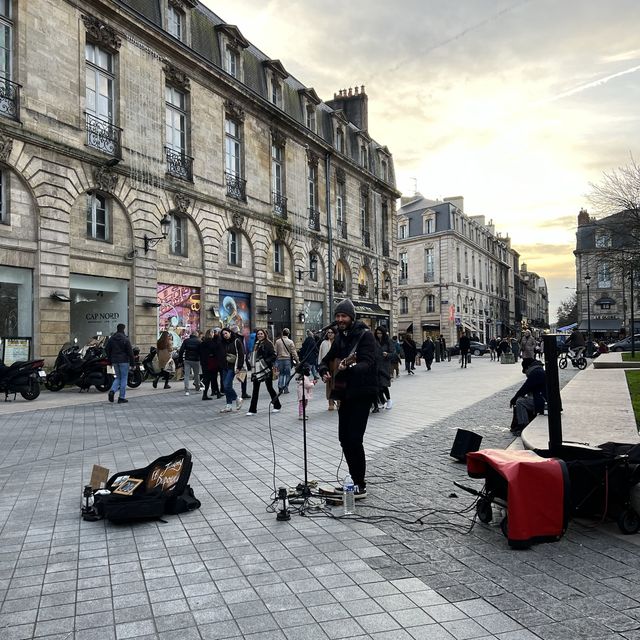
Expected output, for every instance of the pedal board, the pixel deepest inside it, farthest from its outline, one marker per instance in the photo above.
(331, 495)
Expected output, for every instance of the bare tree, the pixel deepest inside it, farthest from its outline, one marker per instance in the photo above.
(568, 311)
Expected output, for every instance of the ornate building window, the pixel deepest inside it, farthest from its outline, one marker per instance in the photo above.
(604, 276)
(364, 216)
(311, 117)
(234, 248)
(341, 205)
(178, 235)
(429, 268)
(179, 164)
(313, 267)
(176, 21)
(278, 257)
(404, 305)
(4, 191)
(278, 174)
(100, 82)
(385, 228)
(98, 217)
(404, 267)
(232, 61)
(9, 91)
(312, 192)
(233, 159)
(340, 139)
(431, 303)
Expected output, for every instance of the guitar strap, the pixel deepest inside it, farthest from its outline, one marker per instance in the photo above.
(355, 347)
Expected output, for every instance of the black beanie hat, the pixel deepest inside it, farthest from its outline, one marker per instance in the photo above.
(346, 307)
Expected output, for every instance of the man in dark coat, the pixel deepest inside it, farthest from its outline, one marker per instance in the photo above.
(530, 397)
(465, 345)
(355, 386)
(410, 352)
(428, 349)
(309, 353)
(120, 354)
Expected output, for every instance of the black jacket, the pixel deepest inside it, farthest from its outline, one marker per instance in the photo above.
(465, 343)
(211, 354)
(265, 351)
(410, 349)
(308, 351)
(535, 385)
(190, 349)
(119, 349)
(233, 346)
(428, 350)
(360, 380)
(383, 362)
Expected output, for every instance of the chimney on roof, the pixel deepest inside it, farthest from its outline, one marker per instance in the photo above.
(354, 102)
(583, 217)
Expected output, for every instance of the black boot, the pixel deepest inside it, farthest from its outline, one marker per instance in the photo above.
(167, 385)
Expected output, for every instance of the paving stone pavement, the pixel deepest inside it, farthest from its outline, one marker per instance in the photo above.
(230, 570)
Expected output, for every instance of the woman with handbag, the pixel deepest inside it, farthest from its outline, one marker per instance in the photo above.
(233, 365)
(261, 361)
(165, 348)
(325, 345)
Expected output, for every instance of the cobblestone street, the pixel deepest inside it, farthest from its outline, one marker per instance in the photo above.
(230, 570)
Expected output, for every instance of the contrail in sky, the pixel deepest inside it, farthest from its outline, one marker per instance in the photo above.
(590, 85)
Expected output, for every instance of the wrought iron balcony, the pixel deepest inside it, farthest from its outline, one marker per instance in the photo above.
(314, 219)
(236, 186)
(279, 204)
(341, 227)
(385, 248)
(363, 289)
(366, 238)
(179, 164)
(10, 99)
(339, 286)
(103, 135)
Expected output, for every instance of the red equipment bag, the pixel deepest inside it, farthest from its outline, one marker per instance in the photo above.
(535, 489)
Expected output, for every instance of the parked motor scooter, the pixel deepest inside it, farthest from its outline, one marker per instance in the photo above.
(136, 372)
(82, 367)
(21, 377)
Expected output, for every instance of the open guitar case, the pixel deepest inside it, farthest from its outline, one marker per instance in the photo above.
(163, 490)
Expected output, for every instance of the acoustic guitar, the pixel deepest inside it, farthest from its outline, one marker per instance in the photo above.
(340, 384)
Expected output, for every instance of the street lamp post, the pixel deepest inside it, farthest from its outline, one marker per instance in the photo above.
(587, 280)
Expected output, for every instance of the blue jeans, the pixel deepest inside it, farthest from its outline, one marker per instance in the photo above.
(122, 374)
(229, 392)
(284, 369)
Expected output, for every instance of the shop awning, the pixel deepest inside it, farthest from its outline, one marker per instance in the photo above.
(568, 327)
(430, 325)
(610, 324)
(370, 309)
(605, 300)
(405, 326)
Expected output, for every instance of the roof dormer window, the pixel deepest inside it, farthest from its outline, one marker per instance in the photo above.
(340, 139)
(231, 44)
(231, 61)
(276, 75)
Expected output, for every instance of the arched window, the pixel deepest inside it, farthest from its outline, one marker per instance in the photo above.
(98, 217)
(431, 303)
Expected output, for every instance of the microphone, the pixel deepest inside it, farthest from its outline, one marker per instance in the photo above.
(333, 325)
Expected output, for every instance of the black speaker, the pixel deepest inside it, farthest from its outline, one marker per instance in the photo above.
(465, 441)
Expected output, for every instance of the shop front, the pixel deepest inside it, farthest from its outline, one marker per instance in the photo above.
(371, 314)
(235, 311)
(279, 314)
(313, 315)
(16, 302)
(98, 305)
(179, 311)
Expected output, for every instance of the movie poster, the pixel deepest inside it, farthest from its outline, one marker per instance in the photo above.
(179, 311)
(235, 312)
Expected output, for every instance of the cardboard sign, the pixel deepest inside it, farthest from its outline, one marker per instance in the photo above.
(98, 475)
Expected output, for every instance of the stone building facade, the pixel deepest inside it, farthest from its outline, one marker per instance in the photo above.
(159, 170)
(456, 274)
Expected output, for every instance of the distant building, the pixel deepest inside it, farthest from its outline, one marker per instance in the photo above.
(157, 169)
(605, 305)
(456, 274)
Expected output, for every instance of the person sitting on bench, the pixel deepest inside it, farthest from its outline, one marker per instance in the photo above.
(530, 398)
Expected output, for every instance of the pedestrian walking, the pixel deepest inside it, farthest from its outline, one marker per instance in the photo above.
(211, 356)
(261, 361)
(286, 359)
(384, 354)
(493, 349)
(428, 350)
(164, 356)
(397, 357)
(410, 353)
(465, 345)
(515, 348)
(443, 349)
(325, 345)
(120, 355)
(234, 365)
(189, 355)
(527, 345)
(309, 353)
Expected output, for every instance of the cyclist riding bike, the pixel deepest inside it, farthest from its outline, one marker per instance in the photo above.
(575, 344)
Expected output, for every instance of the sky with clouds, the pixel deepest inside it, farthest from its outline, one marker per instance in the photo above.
(517, 105)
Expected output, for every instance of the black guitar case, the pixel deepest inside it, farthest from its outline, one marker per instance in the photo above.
(163, 489)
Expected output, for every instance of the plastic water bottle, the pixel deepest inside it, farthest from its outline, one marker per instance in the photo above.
(348, 495)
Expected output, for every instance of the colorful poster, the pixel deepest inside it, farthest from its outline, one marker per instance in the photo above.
(16, 349)
(235, 311)
(179, 311)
